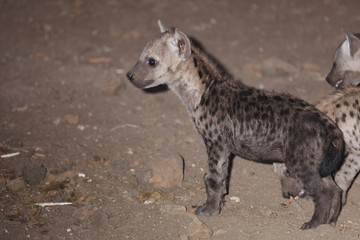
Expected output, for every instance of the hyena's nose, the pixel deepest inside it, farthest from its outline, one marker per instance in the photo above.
(328, 79)
(130, 76)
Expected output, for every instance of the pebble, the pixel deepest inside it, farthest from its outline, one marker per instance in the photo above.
(72, 119)
(16, 184)
(236, 199)
(149, 201)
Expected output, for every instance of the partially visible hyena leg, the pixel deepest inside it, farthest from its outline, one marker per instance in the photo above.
(215, 182)
(326, 195)
(346, 174)
(335, 200)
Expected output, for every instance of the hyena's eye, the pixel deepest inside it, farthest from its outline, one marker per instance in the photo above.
(152, 62)
(287, 173)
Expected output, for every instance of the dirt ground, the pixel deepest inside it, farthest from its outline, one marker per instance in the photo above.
(86, 136)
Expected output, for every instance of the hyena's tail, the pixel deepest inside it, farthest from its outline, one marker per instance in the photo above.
(333, 155)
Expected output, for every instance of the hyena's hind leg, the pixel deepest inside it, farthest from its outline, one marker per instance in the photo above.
(326, 195)
(335, 200)
(216, 181)
(347, 172)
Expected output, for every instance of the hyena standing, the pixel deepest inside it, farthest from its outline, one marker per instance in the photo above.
(344, 108)
(234, 119)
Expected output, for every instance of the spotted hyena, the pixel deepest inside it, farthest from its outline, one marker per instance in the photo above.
(343, 107)
(235, 119)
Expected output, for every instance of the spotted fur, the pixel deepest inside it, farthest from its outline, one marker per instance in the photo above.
(343, 107)
(235, 119)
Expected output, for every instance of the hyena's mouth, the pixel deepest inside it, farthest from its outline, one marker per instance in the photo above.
(142, 84)
(337, 84)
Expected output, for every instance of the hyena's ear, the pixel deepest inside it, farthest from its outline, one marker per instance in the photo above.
(354, 42)
(161, 26)
(182, 45)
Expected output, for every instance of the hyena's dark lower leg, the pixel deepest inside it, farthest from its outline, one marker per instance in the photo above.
(326, 195)
(216, 179)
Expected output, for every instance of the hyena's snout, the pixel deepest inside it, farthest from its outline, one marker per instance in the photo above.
(130, 75)
(138, 76)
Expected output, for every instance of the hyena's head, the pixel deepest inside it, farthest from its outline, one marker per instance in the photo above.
(345, 71)
(289, 186)
(160, 59)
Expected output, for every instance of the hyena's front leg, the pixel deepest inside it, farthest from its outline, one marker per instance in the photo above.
(215, 181)
(346, 174)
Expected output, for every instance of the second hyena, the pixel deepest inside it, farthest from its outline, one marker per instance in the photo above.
(235, 119)
(344, 108)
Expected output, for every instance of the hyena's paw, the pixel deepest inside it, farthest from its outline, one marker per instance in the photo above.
(309, 225)
(206, 210)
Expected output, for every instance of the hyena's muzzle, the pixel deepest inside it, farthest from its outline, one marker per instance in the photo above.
(135, 75)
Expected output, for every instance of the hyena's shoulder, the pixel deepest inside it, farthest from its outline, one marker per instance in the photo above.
(342, 106)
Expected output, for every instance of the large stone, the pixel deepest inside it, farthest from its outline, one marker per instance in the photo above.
(34, 173)
(168, 170)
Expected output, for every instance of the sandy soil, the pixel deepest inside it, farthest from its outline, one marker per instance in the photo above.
(67, 107)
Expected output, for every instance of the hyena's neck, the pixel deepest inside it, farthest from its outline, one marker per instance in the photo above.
(196, 75)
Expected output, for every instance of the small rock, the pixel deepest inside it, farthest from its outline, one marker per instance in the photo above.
(80, 127)
(198, 229)
(72, 119)
(167, 170)
(149, 201)
(16, 184)
(236, 199)
(90, 217)
(33, 173)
